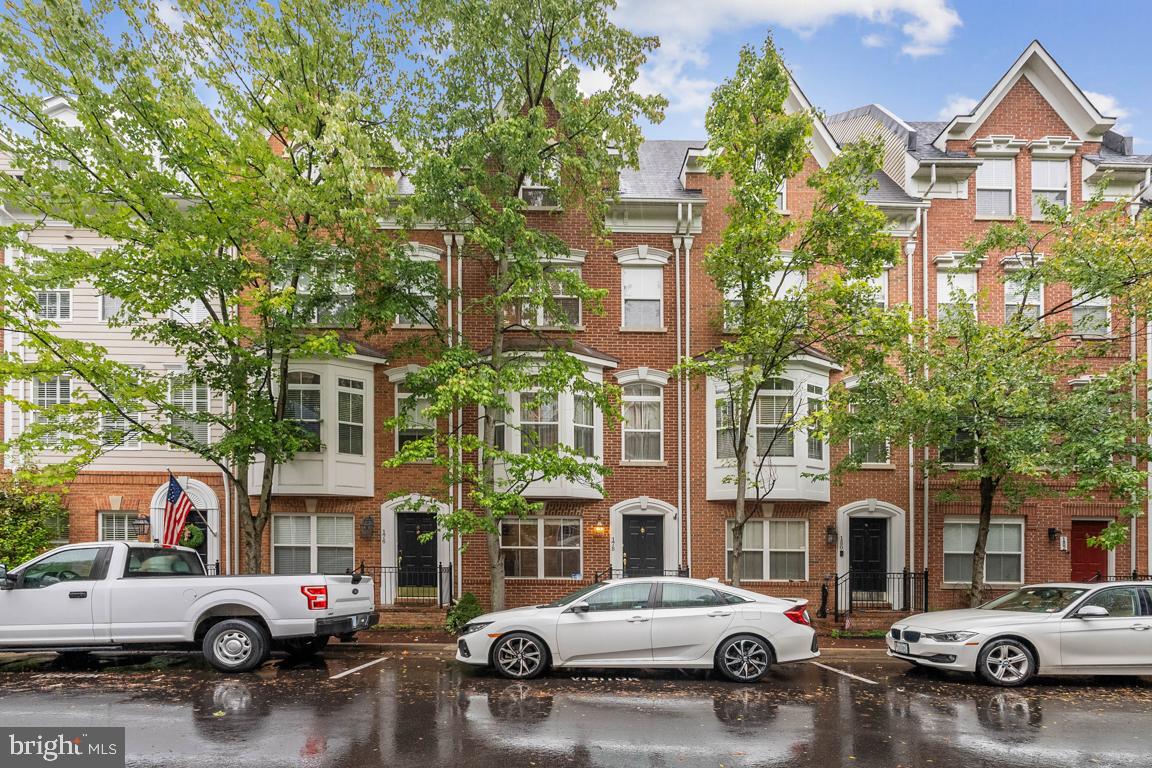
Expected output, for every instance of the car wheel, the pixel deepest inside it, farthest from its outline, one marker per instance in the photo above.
(305, 647)
(744, 658)
(235, 645)
(1007, 663)
(520, 656)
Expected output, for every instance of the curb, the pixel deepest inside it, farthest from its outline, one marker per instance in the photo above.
(840, 653)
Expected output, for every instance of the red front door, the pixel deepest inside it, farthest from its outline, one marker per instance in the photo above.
(1087, 561)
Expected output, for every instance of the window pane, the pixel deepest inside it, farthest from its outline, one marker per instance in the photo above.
(640, 313)
(335, 530)
(1002, 568)
(334, 559)
(957, 567)
(521, 563)
(291, 560)
(774, 442)
(641, 446)
(675, 595)
(642, 415)
(786, 565)
(561, 563)
(994, 202)
(292, 530)
(1118, 602)
(751, 564)
(351, 439)
(786, 534)
(623, 597)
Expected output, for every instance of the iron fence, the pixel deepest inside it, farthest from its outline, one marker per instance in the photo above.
(876, 590)
(1134, 576)
(412, 585)
(634, 573)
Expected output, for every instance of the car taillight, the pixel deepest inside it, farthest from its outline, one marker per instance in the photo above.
(317, 597)
(799, 614)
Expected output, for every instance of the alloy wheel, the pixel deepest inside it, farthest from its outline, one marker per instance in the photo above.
(520, 657)
(745, 659)
(1007, 663)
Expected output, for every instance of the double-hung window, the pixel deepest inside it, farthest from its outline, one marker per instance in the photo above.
(541, 547)
(564, 310)
(725, 429)
(1022, 300)
(953, 291)
(643, 292)
(47, 393)
(54, 304)
(416, 424)
(643, 422)
(583, 425)
(815, 405)
(188, 399)
(1003, 559)
(1049, 182)
(879, 290)
(539, 421)
(313, 543)
(117, 526)
(775, 413)
(117, 431)
(774, 550)
(110, 307)
(350, 415)
(1091, 315)
(302, 404)
(960, 450)
(996, 188)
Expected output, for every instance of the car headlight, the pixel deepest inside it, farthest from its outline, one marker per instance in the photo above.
(950, 637)
(475, 626)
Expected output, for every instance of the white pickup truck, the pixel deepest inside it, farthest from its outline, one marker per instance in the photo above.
(118, 595)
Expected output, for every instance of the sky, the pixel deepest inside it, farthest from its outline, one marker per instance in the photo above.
(922, 59)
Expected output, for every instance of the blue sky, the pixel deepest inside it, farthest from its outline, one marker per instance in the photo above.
(923, 59)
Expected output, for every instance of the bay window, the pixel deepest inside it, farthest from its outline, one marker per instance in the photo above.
(815, 405)
(643, 435)
(313, 543)
(1003, 559)
(583, 426)
(725, 429)
(541, 547)
(539, 421)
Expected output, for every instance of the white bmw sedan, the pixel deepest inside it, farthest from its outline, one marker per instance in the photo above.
(644, 622)
(1050, 629)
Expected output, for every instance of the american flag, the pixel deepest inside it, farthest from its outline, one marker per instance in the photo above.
(176, 509)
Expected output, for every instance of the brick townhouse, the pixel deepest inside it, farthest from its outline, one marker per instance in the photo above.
(665, 505)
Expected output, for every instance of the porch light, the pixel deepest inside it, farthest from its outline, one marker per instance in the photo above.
(367, 526)
(142, 526)
(1053, 533)
(830, 535)
(599, 527)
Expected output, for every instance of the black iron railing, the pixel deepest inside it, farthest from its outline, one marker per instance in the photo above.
(877, 591)
(1134, 576)
(212, 569)
(635, 573)
(412, 585)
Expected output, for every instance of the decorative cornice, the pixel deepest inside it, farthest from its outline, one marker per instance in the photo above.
(642, 374)
(1055, 146)
(396, 375)
(1018, 261)
(957, 261)
(999, 146)
(643, 255)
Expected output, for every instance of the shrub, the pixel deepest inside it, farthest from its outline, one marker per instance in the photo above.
(29, 521)
(466, 609)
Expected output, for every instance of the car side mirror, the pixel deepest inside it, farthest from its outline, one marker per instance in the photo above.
(7, 580)
(1092, 612)
(580, 607)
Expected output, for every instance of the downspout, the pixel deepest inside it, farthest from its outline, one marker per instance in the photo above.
(1135, 535)
(449, 240)
(924, 519)
(911, 262)
(227, 524)
(676, 242)
(458, 240)
(687, 240)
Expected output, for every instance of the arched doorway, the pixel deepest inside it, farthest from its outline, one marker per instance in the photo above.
(412, 570)
(644, 537)
(205, 515)
(871, 548)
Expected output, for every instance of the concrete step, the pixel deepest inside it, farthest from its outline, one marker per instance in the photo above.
(860, 621)
(412, 616)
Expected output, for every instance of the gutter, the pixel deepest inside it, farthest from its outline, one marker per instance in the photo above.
(924, 522)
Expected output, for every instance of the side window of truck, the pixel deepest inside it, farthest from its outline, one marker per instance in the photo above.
(69, 565)
(162, 562)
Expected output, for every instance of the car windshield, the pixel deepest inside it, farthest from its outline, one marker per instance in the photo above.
(572, 596)
(1036, 599)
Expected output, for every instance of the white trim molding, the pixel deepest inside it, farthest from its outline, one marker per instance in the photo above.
(203, 498)
(643, 374)
(643, 256)
(1054, 147)
(644, 505)
(953, 261)
(999, 146)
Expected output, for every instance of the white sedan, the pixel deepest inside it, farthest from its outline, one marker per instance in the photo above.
(1051, 629)
(646, 622)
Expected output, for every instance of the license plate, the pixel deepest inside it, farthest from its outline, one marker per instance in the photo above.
(901, 647)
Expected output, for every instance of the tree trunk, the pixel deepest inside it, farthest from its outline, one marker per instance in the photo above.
(496, 571)
(741, 514)
(495, 559)
(976, 588)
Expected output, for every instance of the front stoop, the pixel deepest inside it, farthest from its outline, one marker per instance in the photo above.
(860, 621)
(412, 616)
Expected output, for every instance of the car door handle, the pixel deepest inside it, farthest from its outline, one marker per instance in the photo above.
(77, 594)
(638, 618)
(1141, 627)
(719, 613)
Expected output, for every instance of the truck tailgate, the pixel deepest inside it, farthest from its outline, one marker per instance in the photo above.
(346, 598)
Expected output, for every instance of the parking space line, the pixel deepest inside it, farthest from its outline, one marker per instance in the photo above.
(846, 674)
(347, 672)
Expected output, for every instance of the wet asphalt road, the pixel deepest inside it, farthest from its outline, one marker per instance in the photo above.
(427, 711)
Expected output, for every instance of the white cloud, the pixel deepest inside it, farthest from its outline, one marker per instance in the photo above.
(957, 104)
(170, 14)
(685, 27)
(1110, 106)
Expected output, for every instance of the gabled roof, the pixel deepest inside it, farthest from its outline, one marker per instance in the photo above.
(823, 143)
(888, 192)
(1053, 83)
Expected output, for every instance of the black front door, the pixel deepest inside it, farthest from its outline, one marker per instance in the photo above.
(868, 553)
(643, 545)
(416, 558)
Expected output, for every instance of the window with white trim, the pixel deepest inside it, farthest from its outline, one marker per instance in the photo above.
(302, 404)
(1049, 182)
(425, 308)
(1091, 315)
(643, 296)
(539, 421)
(773, 550)
(541, 547)
(566, 310)
(337, 312)
(313, 543)
(775, 412)
(955, 289)
(961, 449)
(350, 415)
(190, 398)
(725, 429)
(110, 307)
(1022, 299)
(815, 405)
(54, 304)
(190, 312)
(643, 427)
(117, 526)
(879, 285)
(46, 393)
(1003, 559)
(118, 432)
(583, 425)
(417, 425)
(996, 188)
(782, 196)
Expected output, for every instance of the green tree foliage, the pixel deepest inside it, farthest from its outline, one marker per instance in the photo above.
(793, 286)
(1032, 406)
(230, 158)
(498, 106)
(29, 521)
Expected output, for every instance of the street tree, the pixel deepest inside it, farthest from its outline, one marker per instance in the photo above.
(794, 285)
(501, 121)
(229, 156)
